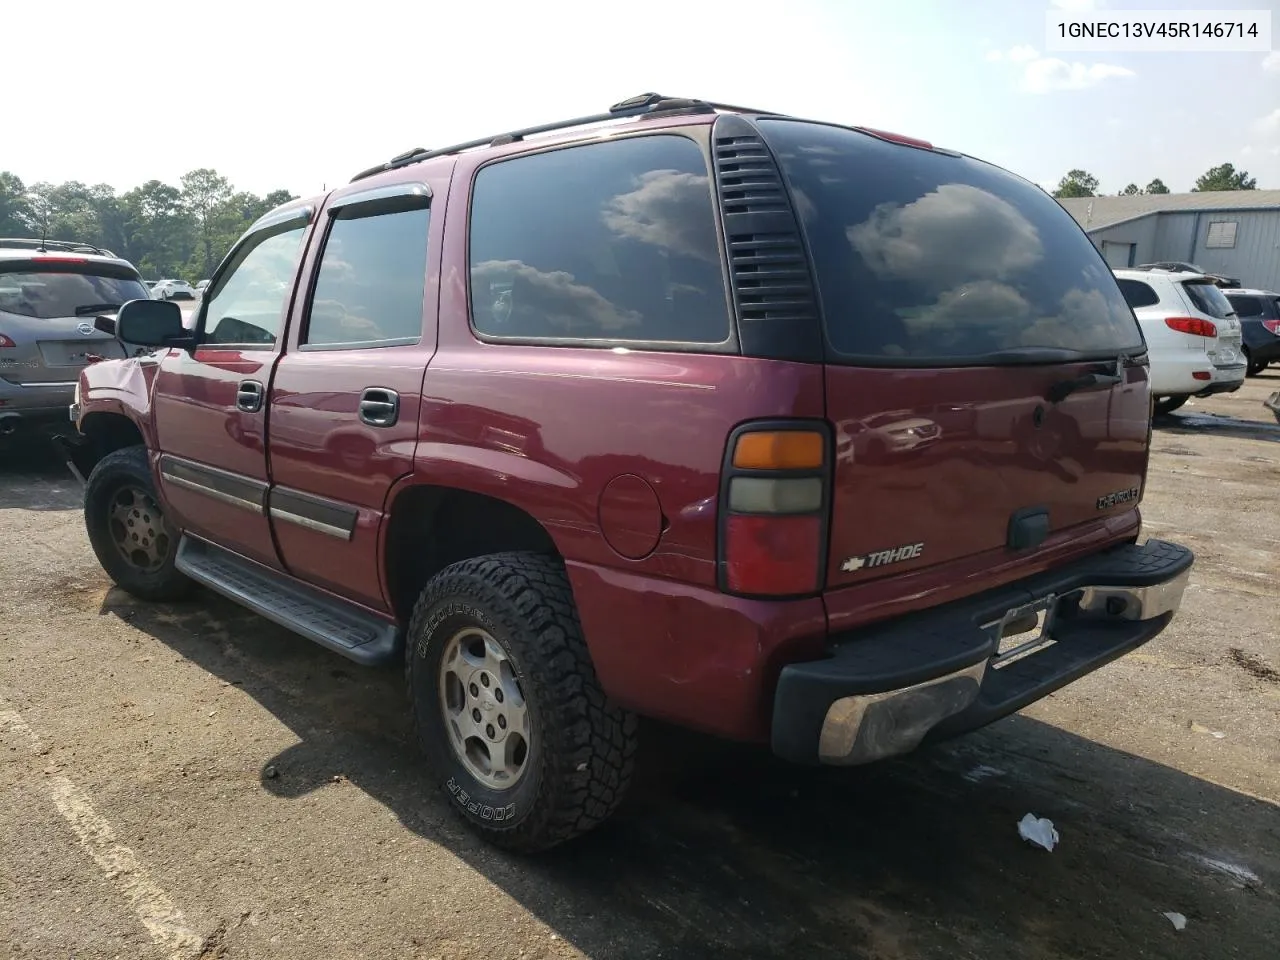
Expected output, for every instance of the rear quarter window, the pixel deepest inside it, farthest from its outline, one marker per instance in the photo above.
(1138, 294)
(602, 242)
(925, 259)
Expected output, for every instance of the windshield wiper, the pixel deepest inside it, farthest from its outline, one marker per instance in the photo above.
(1097, 380)
(96, 308)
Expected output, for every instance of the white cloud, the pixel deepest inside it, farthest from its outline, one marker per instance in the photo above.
(1269, 125)
(1047, 74)
(1271, 63)
(1019, 54)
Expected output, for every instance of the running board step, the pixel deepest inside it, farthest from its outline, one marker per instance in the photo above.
(342, 627)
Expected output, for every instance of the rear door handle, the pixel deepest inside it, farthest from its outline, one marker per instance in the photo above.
(249, 396)
(379, 407)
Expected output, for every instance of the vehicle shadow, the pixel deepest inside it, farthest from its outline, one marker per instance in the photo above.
(35, 476)
(1218, 423)
(722, 851)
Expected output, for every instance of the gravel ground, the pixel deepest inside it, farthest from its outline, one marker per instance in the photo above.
(191, 781)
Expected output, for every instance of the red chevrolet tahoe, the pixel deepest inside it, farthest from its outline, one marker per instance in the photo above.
(788, 431)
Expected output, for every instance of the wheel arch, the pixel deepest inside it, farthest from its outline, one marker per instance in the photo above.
(430, 526)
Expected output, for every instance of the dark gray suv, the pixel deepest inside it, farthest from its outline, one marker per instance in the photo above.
(50, 293)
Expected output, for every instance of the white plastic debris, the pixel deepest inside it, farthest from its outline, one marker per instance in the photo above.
(1178, 920)
(1039, 831)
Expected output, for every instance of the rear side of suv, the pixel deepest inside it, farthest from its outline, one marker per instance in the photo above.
(794, 433)
(49, 297)
(1259, 313)
(1192, 334)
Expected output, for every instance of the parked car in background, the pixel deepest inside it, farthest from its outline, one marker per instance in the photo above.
(49, 299)
(1192, 333)
(1179, 266)
(1259, 313)
(632, 481)
(201, 286)
(172, 290)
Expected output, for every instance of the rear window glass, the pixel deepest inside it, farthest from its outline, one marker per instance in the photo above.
(1138, 294)
(46, 295)
(1247, 306)
(1207, 298)
(928, 259)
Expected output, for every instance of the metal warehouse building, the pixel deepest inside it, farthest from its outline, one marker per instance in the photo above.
(1234, 233)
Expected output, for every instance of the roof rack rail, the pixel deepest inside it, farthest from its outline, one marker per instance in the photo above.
(638, 106)
(63, 246)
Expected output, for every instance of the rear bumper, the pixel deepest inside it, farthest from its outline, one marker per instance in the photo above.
(36, 401)
(1173, 374)
(885, 689)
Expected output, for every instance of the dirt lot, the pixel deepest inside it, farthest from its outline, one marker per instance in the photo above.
(183, 781)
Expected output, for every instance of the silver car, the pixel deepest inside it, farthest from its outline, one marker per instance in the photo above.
(49, 297)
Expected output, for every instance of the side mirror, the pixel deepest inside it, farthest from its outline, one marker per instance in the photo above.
(152, 323)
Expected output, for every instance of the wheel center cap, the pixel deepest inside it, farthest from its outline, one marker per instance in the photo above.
(487, 705)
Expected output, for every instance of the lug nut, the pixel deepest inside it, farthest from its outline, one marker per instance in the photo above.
(484, 678)
(475, 715)
(497, 694)
(475, 691)
(502, 721)
(489, 731)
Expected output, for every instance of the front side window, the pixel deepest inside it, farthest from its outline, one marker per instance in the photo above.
(247, 306)
(928, 259)
(370, 282)
(606, 242)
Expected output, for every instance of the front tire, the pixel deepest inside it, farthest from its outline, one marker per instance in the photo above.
(1166, 405)
(506, 703)
(134, 542)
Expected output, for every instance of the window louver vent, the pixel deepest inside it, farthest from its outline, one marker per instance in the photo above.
(773, 291)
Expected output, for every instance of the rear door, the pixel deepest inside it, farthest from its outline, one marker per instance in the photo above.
(345, 398)
(47, 306)
(1204, 299)
(984, 372)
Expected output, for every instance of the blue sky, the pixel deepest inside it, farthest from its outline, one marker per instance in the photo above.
(276, 93)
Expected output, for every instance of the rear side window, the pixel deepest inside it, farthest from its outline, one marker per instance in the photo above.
(370, 283)
(45, 295)
(1207, 298)
(1247, 306)
(1138, 294)
(924, 259)
(603, 242)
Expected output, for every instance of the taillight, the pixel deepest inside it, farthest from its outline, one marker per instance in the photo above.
(6, 343)
(1195, 326)
(774, 504)
(1273, 326)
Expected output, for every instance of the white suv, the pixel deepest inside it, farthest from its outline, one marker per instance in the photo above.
(1192, 333)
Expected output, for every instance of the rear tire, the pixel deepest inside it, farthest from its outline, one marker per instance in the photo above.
(1252, 369)
(134, 542)
(1166, 405)
(551, 757)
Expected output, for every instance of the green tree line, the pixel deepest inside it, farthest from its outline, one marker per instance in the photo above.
(1081, 183)
(163, 230)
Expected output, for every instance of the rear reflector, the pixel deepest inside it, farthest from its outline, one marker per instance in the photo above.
(772, 554)
(1273, 326)
(1195, 326)
(1202, 375)
(779, 450)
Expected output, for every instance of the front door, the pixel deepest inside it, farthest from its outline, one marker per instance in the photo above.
(345, 396)
(210, 403)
